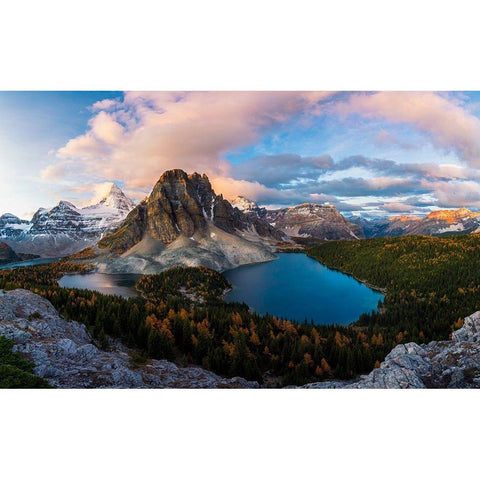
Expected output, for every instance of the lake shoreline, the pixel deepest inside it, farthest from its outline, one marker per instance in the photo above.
(382, 290)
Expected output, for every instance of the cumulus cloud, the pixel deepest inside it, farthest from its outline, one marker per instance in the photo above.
(150, 132)
(134, 139)
(448, 125)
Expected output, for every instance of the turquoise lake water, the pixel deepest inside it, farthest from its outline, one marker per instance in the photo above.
(297, 287)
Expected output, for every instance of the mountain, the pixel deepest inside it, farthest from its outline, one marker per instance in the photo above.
(385, 227)
(323, 222)
(66, 229)
(8, 255)
(446, 222)
(308, 220)
(184, 222)
(440, 222)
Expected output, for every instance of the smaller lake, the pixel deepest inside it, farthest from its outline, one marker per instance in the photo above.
(298, 287)
(109, 284)
(28, 263)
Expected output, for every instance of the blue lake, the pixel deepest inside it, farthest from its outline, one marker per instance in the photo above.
(297, 287)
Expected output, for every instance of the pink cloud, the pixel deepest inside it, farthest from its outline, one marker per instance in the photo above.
(397, 207)
(448, 125)
(231, 188)
(150, 132)
(457, 194)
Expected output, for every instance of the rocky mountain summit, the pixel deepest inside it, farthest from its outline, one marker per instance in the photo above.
(65, 229)
(453, 363)
(66, 357)
(184, 222)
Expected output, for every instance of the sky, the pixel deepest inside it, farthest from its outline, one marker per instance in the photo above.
(367, 153)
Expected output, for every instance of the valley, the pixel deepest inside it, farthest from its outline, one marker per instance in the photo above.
(150, 277)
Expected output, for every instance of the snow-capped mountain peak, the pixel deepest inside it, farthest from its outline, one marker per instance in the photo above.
(115, 198)
(65, 228)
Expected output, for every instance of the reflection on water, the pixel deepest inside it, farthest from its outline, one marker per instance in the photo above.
(110, 284)
(297, 287)
(27, 263)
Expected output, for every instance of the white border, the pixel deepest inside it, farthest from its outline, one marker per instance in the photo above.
(220, 45)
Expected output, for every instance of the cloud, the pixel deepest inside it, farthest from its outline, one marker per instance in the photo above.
(458, 194)
(442, 118)
(106, 104)
(384, 138)
(134, 139)
(379, 186)
(231, 188)
(150, 132)
(396, 207)
(274, 170)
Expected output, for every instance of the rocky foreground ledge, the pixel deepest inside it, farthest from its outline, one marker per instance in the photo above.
(448, 364)
(66, 357)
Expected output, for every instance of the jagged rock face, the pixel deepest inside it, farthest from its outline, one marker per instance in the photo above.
(440, 222)
(66, 357)
(66, 229)
(448, 364)
(311, 220)
(182, 205)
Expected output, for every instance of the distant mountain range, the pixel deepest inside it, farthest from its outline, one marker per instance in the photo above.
(183, 221)
(440, 222)
(65, 229)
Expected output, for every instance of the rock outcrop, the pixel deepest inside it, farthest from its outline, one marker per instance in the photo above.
(184, 222)
(453, 363)
(66, 357)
